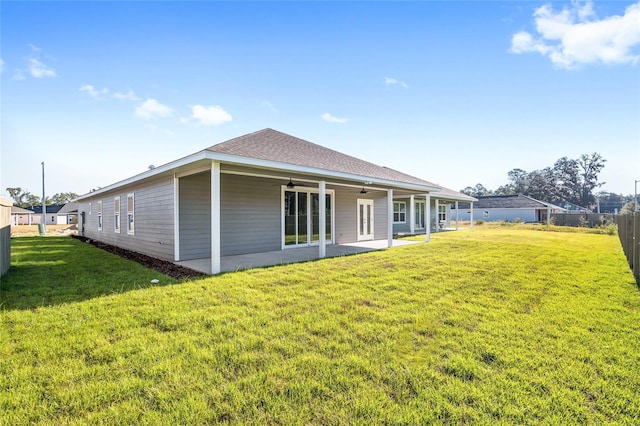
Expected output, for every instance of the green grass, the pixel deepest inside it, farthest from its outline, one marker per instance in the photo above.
(491, 326)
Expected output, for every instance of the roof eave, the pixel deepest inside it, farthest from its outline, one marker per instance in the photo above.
(255, 162)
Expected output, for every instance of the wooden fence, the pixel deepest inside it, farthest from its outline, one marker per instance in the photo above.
(629, 233)
(588, 220)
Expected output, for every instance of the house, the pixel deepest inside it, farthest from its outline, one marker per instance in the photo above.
(409, 211)
(20, 216)
(510, 208)
(52, 214)
(262, 192)
(68, 214)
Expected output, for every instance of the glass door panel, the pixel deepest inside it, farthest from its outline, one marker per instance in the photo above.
(302, 218)
(290, 229)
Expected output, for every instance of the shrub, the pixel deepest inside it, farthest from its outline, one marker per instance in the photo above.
(479, 222)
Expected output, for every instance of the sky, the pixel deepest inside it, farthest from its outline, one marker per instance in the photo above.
(456, 93)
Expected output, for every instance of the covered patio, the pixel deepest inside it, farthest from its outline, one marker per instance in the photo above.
(283, 257)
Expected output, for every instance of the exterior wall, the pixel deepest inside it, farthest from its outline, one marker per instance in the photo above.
(251, 214)
(498, 215)
(406, 226)
(153, 210)
(346, 214)
(5, 234)
(195, 216)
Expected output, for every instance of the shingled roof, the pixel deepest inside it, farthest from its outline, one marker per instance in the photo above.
(271, 145)
(509, 202)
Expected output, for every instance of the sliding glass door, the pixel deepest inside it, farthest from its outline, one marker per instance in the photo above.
(302, 216)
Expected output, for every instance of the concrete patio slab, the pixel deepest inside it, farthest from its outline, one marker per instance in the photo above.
(292, 255)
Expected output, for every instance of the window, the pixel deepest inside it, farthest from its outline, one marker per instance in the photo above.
(99, 215)
(442, 213)
(130, 214)
(399, 212)
(419, 214)
(116, 214)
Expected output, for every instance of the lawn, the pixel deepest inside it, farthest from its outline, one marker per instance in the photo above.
(490, 326)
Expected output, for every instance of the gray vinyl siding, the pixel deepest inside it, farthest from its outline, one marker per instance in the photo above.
(195, 216)
(250, 217)
(346, 215)
(153, 210)
(250, 214)
(406, 226)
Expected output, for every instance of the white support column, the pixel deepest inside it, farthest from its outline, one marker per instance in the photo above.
(176, 218)
(549, 215)
(471, 213)
(390, 218)
(215, 217)
(412, 215)
(427, 216)
(437, 216)
(457, 216)
(322, 219)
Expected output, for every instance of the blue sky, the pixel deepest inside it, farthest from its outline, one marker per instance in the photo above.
(456, 93)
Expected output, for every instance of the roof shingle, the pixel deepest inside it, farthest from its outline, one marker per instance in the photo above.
(271, 145)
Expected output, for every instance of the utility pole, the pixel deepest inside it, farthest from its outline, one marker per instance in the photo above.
(44, 205)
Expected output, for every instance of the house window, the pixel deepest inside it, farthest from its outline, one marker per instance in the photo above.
(99, 215)
(116, 214)
(419, 224)
(130, 214)
(442, 213)
(399, 212)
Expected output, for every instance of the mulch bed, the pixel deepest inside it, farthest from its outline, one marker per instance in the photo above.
(162, 266)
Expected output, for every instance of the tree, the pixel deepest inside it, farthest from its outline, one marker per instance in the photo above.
(63, 197)
(589, 167)
(477, 191)
(23, 198)
(628, 208)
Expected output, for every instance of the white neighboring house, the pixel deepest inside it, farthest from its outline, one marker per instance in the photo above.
(51, 217)
(20, 216)
(509, 208)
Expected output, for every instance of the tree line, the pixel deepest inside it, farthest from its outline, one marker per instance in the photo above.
(568, 180)
(23, 198)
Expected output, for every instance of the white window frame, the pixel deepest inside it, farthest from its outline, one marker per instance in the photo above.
(100, 215)
(131, 215)
(442, 213)
(308, 191)
(116, 214)
(402, 210)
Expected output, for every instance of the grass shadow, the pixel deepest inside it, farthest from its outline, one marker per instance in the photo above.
(47, 271)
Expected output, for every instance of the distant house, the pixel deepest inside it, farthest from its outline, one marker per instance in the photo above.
(52, 214)
(510, 208)
(262, 192)
(20, 216)
(68, 214)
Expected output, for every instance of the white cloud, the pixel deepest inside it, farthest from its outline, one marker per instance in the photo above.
(209, 116)
(268, 105)
(151, 109)
(129, 96)
(331, 119)
(389, 81)
(575, 36)
(38, 69)
(92, 91)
